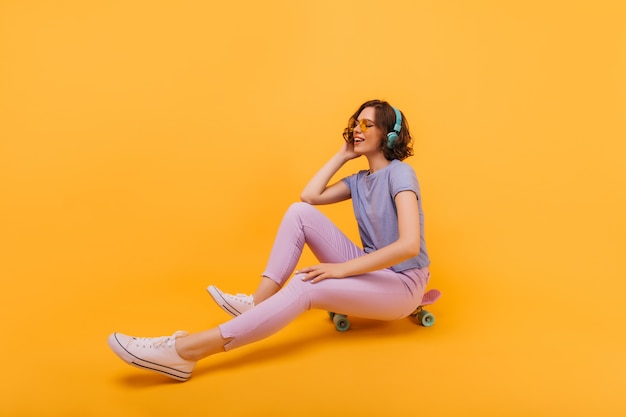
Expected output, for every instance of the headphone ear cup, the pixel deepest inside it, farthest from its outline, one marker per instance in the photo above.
(392, 137)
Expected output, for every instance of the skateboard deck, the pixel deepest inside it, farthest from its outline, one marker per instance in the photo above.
(430, 297)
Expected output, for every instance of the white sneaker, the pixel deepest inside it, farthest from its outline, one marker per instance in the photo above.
(156, 354)
(232, 304)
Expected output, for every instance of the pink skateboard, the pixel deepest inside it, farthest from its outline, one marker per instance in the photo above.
(422, 316)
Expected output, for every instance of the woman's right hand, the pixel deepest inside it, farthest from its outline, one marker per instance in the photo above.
(317, 190)
(347, 151)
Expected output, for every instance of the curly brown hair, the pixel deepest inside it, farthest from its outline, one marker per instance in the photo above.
(385, 120)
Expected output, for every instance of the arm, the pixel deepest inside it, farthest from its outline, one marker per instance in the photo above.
(317, 191)
(407, 246)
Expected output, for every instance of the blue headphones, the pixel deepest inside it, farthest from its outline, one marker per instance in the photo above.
(393, 135)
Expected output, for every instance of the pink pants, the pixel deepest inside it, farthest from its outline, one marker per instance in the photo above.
(381, 295)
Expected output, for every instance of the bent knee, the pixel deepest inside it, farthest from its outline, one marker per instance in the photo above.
(301, 209)
(300, 206)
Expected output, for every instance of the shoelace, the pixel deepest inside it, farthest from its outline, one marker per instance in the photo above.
(158, 342)
(244, 297)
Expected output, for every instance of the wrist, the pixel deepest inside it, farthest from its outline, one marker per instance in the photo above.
(343, 157)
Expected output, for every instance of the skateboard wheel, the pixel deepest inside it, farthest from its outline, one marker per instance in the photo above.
(426, 319)
(341, 322)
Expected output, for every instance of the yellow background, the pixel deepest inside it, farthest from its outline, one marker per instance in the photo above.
(149, 148)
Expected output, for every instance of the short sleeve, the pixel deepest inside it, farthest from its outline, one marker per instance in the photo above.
(351, 180)
(403, 178)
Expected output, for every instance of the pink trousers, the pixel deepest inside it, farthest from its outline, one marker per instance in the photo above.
(381, 295)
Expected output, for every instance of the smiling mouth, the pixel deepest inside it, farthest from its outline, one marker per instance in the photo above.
(358, 140)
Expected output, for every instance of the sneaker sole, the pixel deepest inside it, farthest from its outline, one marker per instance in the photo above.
(131, 359)
(220, 301)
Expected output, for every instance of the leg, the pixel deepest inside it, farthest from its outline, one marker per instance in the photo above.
(372, 295)
(381, 295)
(302, 223)
(200, 345)
(267, 287)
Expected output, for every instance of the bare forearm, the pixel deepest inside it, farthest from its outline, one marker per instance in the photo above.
(316, 186)
(383, 258)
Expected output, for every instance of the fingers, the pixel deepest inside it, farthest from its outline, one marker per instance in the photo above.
(312, 274)
(316, 279)
(319, 272)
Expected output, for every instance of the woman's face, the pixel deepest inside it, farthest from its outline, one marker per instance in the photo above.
(367, 135)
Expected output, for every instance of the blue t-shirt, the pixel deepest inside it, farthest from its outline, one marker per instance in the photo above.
(375, 209)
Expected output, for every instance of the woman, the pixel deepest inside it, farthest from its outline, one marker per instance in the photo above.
(384, 280)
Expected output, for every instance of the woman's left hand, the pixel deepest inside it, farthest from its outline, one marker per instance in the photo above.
(320, 272)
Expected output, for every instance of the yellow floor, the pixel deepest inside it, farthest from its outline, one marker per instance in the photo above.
(490, 355)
